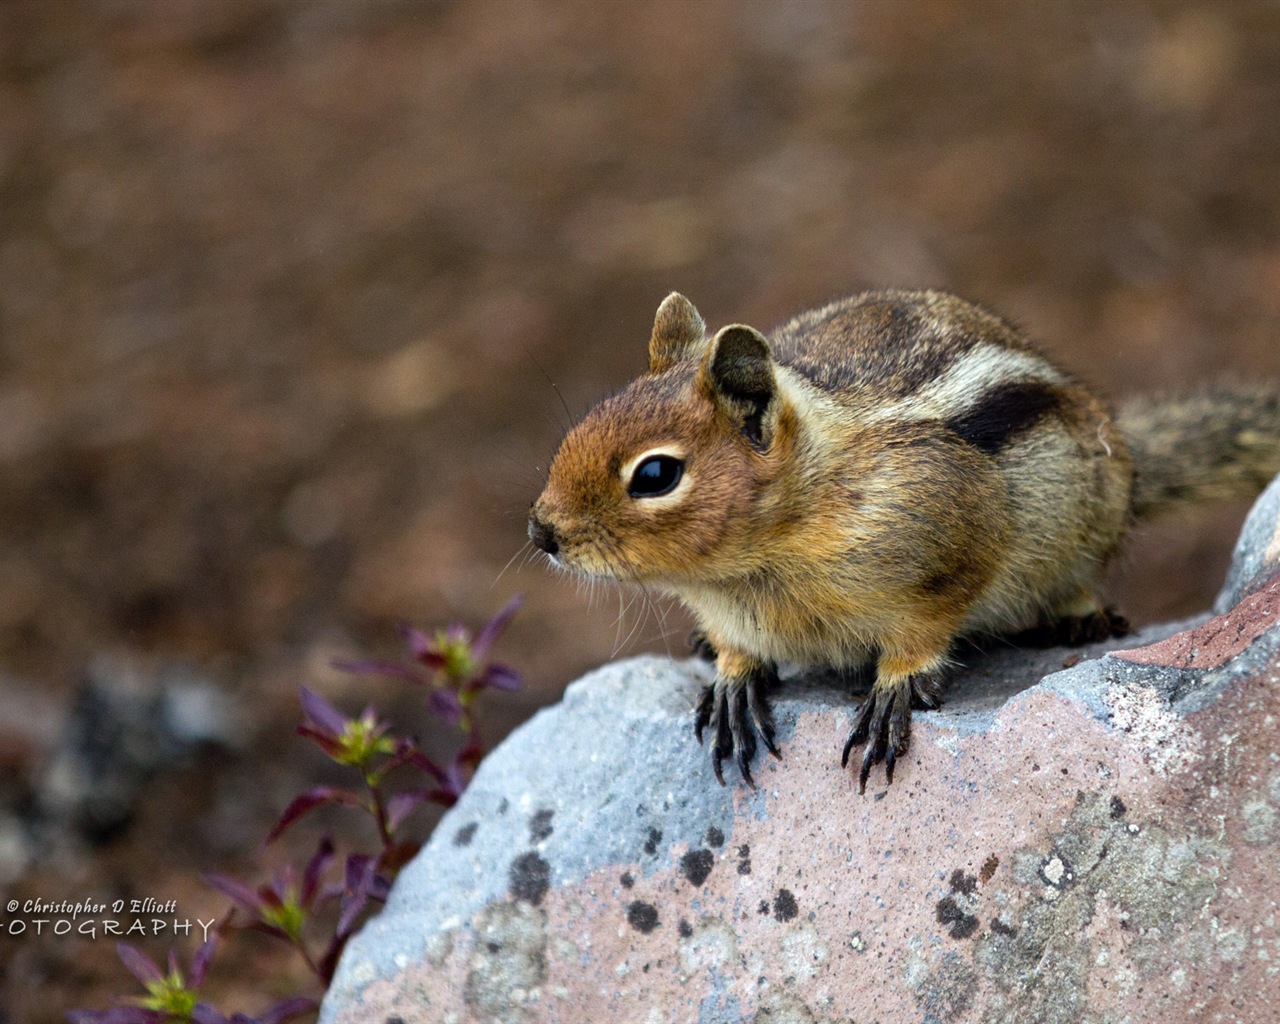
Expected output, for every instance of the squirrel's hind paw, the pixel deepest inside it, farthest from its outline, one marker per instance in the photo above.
(736, 711)
(1075, 630)
(883, 723)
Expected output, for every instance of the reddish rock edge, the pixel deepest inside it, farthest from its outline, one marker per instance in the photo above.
(1056, 865)
(1218, 640)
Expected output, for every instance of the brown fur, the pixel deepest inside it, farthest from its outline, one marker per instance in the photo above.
(875, 479)
(1217, 446)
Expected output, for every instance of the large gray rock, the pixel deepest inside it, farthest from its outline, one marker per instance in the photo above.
(1090, 844)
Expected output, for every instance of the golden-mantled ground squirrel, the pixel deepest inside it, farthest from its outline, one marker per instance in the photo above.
(872, 481)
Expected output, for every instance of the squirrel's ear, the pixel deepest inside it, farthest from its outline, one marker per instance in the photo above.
(678, 332)
(739, 368)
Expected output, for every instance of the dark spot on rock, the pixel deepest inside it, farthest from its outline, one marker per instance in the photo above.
(962, 883)
(715, 837)
(1000, 928)
(959, 925)
(651, 843)
(627, 879)
(493, 947)
(540, 825)
(784, 905)
(685, 929)
(696, 865)
(465, 834)
(643, 917)
(645, 968)
(530, 878)
(394, 1020)
(1035, 767)
(1117, 808)
(502, 807)
(744, 859)
(988, 868)
(764, 907)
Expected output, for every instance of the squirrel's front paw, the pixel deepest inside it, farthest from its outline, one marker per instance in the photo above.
(883, 722)
(736, 710)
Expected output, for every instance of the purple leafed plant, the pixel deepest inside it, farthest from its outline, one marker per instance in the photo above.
(171, 997)
(452, 667)
(454, 663)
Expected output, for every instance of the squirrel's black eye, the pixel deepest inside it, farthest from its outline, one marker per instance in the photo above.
(655, 476)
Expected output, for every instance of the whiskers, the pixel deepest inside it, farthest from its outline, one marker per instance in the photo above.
(634, 594)
(638, 601)
(602, 569)
(524, 553)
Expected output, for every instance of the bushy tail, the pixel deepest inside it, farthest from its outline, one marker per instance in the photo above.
(1212, 447)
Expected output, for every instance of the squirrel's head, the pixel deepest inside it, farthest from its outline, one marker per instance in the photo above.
(659, 482)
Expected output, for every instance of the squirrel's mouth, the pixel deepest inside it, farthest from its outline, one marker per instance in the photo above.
(590, 552)
(581, 564)
(596, 563)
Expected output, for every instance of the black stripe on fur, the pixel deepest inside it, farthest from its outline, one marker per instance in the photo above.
(1005, 412)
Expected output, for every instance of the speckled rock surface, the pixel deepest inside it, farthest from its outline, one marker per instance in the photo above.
(1092, 844)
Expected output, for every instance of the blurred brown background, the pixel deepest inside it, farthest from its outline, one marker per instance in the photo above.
(287, 292)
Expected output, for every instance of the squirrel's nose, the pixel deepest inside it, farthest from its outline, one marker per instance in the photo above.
(543, 535)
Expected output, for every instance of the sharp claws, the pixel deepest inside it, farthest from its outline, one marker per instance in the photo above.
(765, 730)
(702, 716)
(848, 746)
(864, 773)
(859, 732)
(736, 712)
(762, 718)
(883, 723)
